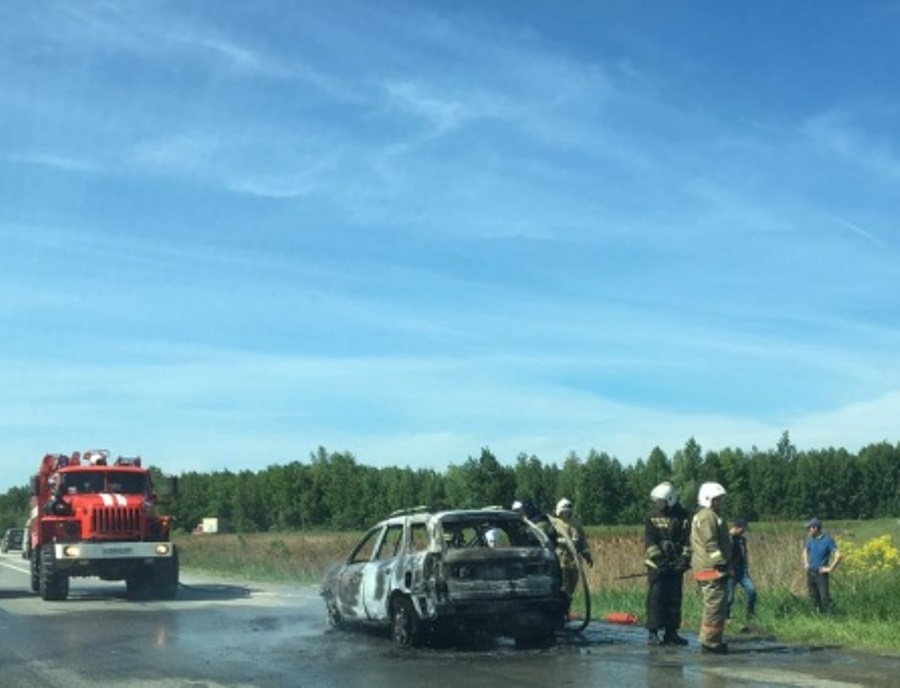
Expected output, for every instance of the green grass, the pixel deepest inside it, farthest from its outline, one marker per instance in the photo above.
(860, 621)
(861, 531)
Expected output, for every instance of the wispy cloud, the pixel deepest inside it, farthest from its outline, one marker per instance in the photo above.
(443, 114)
(58, 162)
(836, 135)
(859, 231)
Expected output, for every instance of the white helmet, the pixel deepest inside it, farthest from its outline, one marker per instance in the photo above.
(708, 492)
(666, 492)
(563, 505)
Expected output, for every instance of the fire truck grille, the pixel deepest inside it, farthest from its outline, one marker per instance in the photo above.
(116, 520)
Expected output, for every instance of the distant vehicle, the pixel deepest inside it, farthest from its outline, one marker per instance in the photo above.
(12, 539)
(426, 574)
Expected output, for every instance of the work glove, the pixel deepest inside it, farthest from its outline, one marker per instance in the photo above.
(653, 558)
(682, 563)
(588, 557)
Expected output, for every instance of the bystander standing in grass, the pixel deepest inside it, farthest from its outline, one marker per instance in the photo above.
(820, 557)
(740, 572)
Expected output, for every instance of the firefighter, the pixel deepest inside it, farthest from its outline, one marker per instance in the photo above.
(667, 557)
(530, 510)
(571, 531)
(711, 561)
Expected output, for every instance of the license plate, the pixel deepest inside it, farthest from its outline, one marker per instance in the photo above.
(117, 550)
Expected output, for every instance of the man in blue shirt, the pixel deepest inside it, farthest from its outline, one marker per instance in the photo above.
(820, 558)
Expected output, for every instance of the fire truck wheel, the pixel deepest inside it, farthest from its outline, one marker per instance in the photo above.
(35, 562)
(165, 577)
(137, 583)
(54, 584)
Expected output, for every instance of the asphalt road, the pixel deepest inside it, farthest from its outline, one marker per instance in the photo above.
(220, 634)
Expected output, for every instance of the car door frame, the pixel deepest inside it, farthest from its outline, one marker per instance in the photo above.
(380, 573)
(350, 587)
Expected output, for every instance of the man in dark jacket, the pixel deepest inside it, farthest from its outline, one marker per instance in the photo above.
(740, 574)
(667, 557)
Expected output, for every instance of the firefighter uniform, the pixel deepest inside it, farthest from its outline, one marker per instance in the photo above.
(571, 545)
(667, 557)
(711, 561)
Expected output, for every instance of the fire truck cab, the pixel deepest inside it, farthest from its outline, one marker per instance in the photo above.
(94, 516)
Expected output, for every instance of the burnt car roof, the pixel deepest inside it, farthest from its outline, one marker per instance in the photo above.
(453, 514)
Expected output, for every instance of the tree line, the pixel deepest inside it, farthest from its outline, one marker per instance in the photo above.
(333, 491)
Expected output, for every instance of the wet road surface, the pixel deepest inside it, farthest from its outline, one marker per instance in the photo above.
(219, 634)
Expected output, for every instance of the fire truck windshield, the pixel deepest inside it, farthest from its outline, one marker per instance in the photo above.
(121, 482)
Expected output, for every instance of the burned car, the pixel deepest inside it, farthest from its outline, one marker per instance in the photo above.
(451, 574)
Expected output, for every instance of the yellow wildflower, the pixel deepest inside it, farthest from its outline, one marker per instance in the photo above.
(876, 555)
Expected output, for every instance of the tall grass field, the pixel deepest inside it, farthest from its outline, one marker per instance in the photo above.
(865, 587)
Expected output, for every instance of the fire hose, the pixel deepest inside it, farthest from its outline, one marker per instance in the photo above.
(582, 577)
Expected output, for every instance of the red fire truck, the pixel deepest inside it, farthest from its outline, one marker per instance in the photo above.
(94, 516)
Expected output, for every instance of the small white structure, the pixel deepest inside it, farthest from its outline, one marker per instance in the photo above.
(210, 525)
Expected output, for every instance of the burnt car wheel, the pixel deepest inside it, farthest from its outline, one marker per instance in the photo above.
(334, 616)
(542, 636)
(405, 626)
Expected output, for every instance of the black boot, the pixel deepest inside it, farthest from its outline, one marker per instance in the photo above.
(672, 638)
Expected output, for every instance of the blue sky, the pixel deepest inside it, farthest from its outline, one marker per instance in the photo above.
(233, 231)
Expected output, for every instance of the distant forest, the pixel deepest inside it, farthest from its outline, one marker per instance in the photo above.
(333, 491)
